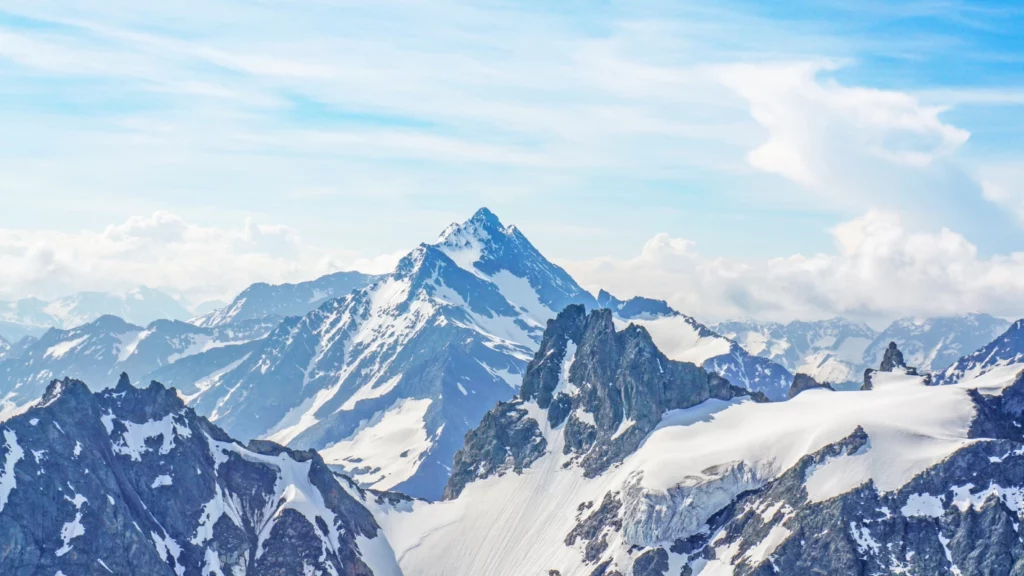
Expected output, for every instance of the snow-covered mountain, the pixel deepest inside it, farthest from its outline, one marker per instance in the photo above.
(387, 380)
(829, 350)
(1006, 350)
(100, 350)
(5, 348)
(263, 300)
(131, 481)
(838, 350)
(614, 459)
(31, 316)
(933, 344)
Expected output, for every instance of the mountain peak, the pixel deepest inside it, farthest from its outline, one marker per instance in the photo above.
(482, 226)
(484, 215)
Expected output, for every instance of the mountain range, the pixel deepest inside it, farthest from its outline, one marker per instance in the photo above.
(32, 316)
(476, 411)
(614, 460)
(99, 350)
(385, 379)
(611, 459)
(838, 350)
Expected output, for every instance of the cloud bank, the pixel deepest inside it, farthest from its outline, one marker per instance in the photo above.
(879, 271)
(164, 251)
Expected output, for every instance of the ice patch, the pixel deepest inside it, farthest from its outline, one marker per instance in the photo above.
(61, 348)
(923, 506)
(133, 442)
(14, 455)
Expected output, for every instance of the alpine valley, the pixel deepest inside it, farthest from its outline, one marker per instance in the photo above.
(477, 412)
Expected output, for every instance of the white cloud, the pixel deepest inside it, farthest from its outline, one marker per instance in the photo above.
(166, 252)
(879, 271)
(1003, 184)
(830, 137)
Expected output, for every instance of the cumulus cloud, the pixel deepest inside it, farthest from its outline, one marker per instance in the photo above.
(165, 251)
(879, 270)
(813, 123)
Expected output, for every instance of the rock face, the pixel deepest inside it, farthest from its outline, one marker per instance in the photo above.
(803, 382)
(262, 300)
(604, 389)
(130, 481)
(892, 359)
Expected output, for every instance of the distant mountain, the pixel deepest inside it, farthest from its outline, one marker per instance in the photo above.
(829, 350)
(5, 348)
(130, 481)
(615, 460)
(933, 344)
(838, 350)
(31, 316)
(100, 350)
(263, 300)
(1006, 350)
(387, 380)
(207, 306)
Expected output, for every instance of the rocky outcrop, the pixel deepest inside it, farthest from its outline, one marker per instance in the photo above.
(130, 481)
(507, 439)
(803, 382)
(603, 390)
(892, 361)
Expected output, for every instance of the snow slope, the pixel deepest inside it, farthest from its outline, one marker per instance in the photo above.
(696, 462)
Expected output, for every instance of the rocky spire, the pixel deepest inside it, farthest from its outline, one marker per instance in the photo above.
(892, 361)
(892, 358)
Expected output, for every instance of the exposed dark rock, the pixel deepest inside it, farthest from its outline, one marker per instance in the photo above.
(653, 562)
(130, 481)
(803, 382)
(892, 361)
(892, 358)
(507, 439)
(605, 403)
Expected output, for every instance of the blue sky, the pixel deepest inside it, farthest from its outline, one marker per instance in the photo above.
(751, 129)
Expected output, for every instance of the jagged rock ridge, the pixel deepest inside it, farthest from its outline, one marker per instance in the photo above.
(602, 390)
(131, 481)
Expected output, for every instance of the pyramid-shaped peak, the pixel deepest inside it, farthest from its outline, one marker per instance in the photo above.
(485, 216)
(482, 226)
